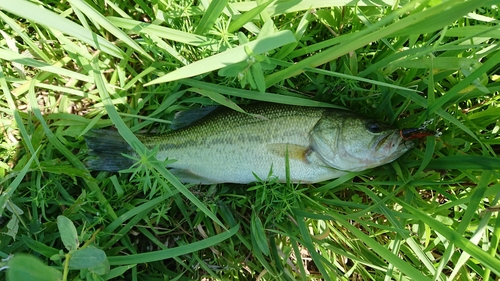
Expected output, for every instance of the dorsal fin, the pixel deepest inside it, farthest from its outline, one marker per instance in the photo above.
(185, 118)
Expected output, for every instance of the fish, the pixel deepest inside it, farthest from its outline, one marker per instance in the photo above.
(227, 146)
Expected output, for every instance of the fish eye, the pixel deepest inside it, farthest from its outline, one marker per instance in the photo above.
(374, 127)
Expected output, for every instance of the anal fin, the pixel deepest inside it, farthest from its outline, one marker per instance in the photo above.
(187, 176)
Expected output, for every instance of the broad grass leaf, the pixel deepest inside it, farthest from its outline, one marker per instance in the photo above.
(39, 247)
(164, 32)
(68, 233)
(440, 63)
(259, 234)
(210, 16)
(299, 33)
(258, 76)
(13, 227)
(117, 271)
(89, 257)
(233, 70)
(218, 98)
(101, 269)
(267, 30)
(257, 253)
(285, 7)
(253, 95)
(228, 57)
(241, 20)
(26, 39)
(307, 242)
(429, 152)
(27, 267)
(474, 31)
(341, 75)
(251, 81)
(473, 162)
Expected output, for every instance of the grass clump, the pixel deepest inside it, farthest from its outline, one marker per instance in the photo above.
(67, 67)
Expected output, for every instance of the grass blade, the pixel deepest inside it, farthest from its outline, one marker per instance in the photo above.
(247, 17)
(163, 32)
(373, 33)
(210, 16)
(228, 57)
(173, 252)
(13, 57)
(9, 191)
(102, 21)
(376, 247)
(457, 239)
(487, 66)
(24, 36)
(267, 97)
(35, 13)
(296, 6)
(471, 162)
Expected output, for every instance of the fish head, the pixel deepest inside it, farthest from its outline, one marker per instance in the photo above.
(351, 143)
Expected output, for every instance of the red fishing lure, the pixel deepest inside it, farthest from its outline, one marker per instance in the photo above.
(411, 134)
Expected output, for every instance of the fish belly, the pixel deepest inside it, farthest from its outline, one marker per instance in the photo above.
(235, 164)
(245, 159)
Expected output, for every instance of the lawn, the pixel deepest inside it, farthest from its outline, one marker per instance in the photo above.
(67, 67)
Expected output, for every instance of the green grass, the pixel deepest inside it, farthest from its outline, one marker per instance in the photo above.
(69, 66)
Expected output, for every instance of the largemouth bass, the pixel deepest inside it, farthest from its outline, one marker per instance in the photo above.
(233, 147)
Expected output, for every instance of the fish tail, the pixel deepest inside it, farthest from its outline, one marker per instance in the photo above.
(106, 151)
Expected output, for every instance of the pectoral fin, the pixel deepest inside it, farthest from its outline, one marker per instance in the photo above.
(296, 152)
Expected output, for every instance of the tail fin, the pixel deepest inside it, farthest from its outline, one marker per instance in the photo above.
(106, 149)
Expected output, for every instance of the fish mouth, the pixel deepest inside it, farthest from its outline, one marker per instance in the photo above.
(393, 142)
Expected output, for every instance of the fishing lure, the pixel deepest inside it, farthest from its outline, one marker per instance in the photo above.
(422, 132)
(411, 134)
